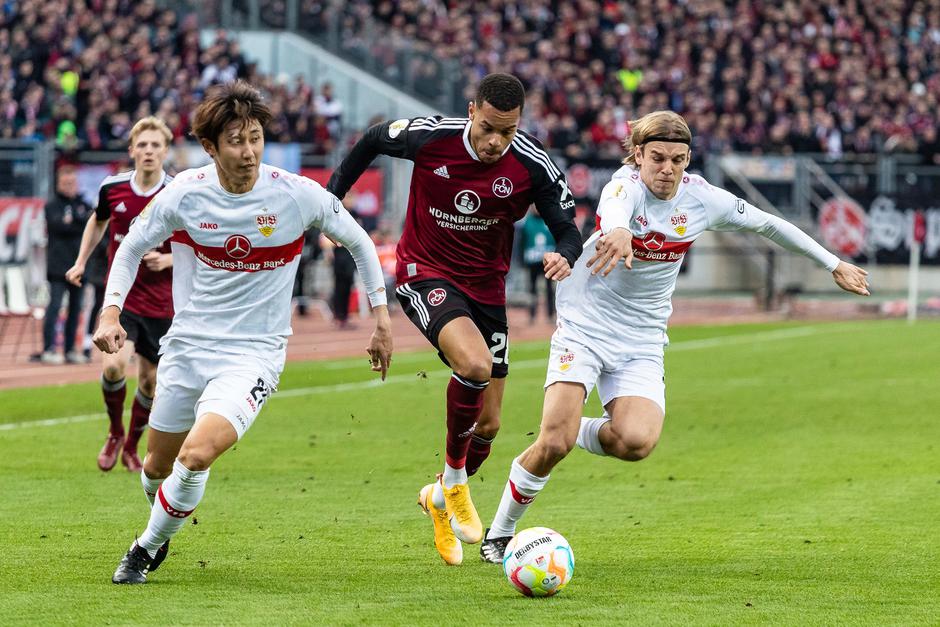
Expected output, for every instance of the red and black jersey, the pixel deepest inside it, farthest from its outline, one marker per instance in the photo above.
(459, 223)
(121, 201)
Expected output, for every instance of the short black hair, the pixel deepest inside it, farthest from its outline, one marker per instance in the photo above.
(503, 91)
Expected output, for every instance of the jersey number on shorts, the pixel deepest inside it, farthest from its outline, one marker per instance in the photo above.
(499, 344)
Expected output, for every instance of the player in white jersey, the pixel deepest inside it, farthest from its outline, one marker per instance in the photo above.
(612, 317)
(237, 230)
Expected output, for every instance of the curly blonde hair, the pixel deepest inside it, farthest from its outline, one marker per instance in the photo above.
(661, 125)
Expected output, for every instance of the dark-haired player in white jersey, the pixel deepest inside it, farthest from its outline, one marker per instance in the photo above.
(612, 317)
(148, 309)
(473, 178)
(237, 229)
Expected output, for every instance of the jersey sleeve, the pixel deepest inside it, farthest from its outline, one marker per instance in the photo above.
(103, 209)
(322, 210)
(155, 224)
(727, 212)
(387, 138)
(551, 196)
(615, 208)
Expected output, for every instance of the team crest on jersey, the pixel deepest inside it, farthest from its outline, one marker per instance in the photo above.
(467, 202)
(436, 296)
(396, 127)
(565, 361)
(267, 222)
(679, 223)
(502, 187)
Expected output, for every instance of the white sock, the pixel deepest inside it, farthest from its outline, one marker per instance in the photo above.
(520, 491)
(454, 476)
(588, 434)
(150, 487)
(176, 499)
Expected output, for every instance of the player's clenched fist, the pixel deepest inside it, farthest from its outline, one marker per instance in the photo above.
(110, 335)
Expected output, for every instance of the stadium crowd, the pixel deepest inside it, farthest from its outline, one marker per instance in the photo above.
(795, 76)
(84, 71)
(800, 76)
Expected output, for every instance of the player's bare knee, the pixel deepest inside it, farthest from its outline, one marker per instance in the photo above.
(196, 457)
(113, 373)
(147, 385)
(475, 369)
(154, 469)
(554, 447)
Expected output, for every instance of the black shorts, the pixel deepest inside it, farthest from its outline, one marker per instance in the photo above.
(433, 303)
(145, 333)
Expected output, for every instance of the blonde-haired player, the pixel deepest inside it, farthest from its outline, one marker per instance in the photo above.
(149, 308)
(612, 317)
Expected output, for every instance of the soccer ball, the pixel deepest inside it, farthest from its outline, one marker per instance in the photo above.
(538, 562)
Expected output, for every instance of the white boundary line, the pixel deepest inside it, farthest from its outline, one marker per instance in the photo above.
(711, 342)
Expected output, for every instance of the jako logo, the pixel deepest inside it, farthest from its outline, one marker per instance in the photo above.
(209, 226)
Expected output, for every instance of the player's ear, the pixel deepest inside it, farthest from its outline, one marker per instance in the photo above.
(471, 107)
(208, 146)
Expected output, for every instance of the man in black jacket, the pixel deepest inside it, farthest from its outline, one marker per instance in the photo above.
(66, 215)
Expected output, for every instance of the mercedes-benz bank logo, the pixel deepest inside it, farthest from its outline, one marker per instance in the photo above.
(467, 202)
(654, 241)
(237, 246)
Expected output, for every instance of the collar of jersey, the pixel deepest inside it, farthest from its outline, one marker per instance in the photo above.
(470, 150)
(147, 192)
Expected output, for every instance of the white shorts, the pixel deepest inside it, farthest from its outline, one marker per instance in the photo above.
(573, 359)
(192, 382)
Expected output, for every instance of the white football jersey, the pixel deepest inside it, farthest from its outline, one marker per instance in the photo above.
(235, 255)
(630, 308)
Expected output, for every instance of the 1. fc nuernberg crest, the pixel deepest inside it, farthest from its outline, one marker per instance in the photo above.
(267, 222)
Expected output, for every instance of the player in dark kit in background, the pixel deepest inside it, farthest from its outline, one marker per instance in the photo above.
(149, 308)
(473, 178)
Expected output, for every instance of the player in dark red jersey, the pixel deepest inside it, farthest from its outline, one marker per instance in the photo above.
(473, 178)
(149, 308)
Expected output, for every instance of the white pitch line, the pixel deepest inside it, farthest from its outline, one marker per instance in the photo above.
(711, 342)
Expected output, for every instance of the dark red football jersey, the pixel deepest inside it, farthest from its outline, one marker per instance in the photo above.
(120, 201)
(459, 223)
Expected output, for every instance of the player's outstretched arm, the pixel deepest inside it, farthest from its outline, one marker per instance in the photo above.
(851, 278)
(380, 344)
(110, 335)
(610, 249)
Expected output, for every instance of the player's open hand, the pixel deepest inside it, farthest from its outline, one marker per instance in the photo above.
(556, 266)
(851, 278)
(110, 335)
(156, 261)
(610, 249)
(74, 274)
(380, 345)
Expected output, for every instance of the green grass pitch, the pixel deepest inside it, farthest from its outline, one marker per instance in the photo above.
(797, 482)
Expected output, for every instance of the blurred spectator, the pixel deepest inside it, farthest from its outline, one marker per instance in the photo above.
(66, 215)
(536, 241)
(803, 75)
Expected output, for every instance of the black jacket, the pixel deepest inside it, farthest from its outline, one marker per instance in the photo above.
(65, 222)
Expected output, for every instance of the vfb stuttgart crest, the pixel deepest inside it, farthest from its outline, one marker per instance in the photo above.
(267, 222)
(436, 297)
